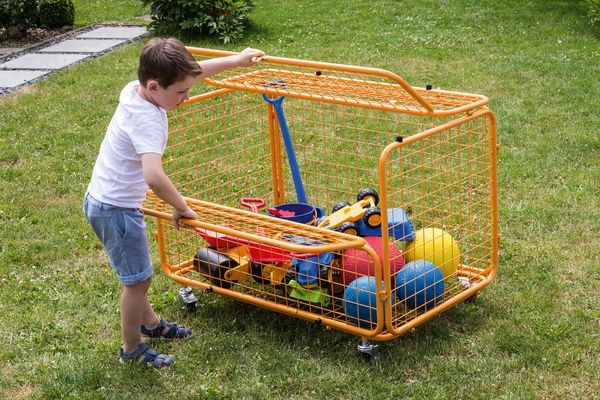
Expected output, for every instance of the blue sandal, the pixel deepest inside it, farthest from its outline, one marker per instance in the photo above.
(174, 331)
(146, 355)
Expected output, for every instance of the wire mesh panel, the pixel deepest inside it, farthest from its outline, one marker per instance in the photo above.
(340, 84)
(338, 147)
(444, 178)
(399, 221)
(219, 149)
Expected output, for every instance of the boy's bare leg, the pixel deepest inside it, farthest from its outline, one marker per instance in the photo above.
(149, 319)
(133, 306)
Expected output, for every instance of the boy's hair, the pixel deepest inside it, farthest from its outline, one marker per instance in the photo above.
(167, 61)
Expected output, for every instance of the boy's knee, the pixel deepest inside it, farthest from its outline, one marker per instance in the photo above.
(139, 285)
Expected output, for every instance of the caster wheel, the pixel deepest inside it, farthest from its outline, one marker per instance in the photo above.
(369, 350)
(189, 302)
(191, 307)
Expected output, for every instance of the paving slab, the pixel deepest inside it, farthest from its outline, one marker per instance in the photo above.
(11, 79)
(19, 67)
(82, 46)
(114, 32)
(43, 61)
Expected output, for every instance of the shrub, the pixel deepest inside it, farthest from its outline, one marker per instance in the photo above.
(18, 14)
(57, 13)
(225, 19)
(594, 11)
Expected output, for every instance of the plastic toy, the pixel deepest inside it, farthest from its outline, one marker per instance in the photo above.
(297, 212)
(420, 285)
(344, 215)
(400, 226)
(363, 218)
(435, 246)
(287, 139)
(222, 268)
(229, 259)
(280, 213)
(311, 295)
(360, 301)
(355, 262)
(237, 259)
(429, 154)
(308, 272)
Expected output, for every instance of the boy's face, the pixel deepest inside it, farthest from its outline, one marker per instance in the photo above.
(170, 97)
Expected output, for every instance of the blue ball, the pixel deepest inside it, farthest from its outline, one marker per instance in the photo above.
(360, 301)
(420, 285)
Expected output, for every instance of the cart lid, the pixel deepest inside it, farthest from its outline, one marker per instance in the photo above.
(339, 84)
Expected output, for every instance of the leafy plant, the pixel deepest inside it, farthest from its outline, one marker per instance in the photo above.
(224, 19)
(57, 13)
(594, 11)
(18, 15)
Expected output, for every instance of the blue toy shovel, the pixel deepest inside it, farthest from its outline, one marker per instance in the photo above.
(289, 148)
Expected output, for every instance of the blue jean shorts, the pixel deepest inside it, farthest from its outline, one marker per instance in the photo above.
(122, 231)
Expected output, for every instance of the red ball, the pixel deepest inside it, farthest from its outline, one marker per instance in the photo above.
(356, 262)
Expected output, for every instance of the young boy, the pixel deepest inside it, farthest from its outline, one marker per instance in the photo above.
(128, 163)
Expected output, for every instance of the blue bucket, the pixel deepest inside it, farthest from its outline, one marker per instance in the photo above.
(304, 213)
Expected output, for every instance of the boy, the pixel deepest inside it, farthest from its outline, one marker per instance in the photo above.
(128, 163)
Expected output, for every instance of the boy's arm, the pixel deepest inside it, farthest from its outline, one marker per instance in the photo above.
(159, 182)
(215, 65)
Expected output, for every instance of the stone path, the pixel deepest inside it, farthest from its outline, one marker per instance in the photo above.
(24, 67)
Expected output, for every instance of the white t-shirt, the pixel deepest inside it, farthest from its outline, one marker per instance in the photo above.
(137, 127)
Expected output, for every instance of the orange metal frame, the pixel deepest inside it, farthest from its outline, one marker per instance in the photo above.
(354, 87)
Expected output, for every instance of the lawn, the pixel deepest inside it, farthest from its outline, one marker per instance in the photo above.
(533, 333)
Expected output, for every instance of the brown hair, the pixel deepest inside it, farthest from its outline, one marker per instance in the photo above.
(167, 61)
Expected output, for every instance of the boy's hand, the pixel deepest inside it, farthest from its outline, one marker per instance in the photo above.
(179, 214)
(249, 56)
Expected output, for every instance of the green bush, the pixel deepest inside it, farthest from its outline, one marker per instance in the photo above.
(225, 19)
(57, 13)
(594, 11)
(18, 14)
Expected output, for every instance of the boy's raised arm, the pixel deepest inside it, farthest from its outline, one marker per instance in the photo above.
(216, 65)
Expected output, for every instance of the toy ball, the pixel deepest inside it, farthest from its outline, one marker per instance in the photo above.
(356, 262)
(420, 285)
(437, 247)
(360, 301)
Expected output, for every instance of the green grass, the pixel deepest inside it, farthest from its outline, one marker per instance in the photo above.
(533, 333)
(109, 11)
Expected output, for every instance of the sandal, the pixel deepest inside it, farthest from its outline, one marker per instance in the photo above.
(174, 331)
(146, 355)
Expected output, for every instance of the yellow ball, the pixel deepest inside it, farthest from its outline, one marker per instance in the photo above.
(436, 246)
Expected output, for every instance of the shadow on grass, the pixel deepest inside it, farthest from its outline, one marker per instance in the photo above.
(277, 331)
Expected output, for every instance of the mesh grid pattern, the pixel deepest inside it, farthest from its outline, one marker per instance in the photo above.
(438, 169)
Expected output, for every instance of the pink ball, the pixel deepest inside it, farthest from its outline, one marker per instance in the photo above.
(356, 263)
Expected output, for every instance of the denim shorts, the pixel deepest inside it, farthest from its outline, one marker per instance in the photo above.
(122, 231)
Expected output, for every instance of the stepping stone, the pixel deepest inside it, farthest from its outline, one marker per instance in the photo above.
(11, 79)
(114, 32)
(43, 61)
(81, 46)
